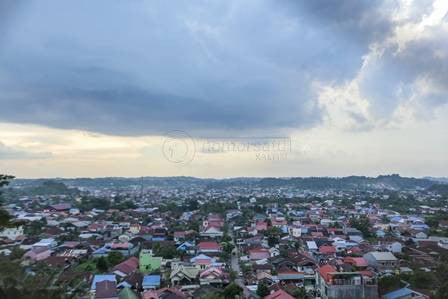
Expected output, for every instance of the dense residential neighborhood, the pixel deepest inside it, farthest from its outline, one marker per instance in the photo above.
(231, 241)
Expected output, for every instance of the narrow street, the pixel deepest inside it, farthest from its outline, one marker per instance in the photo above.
(236, 267)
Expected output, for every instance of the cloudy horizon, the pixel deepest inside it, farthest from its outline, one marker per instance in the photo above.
(94, 88)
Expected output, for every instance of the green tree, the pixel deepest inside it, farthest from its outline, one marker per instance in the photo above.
(35, 227)
(193, 205)
(16, 253)
(226, 238)
(233, 275)
(194, 225)
(300, 293)
(273, 234)
(114, 258)
(442, 271)
(210, 293)
(5, 218)
(232, 291)
(101, 264)
(362, 224)
(167, 252)
(262, 289)
(422, 280)
(388, 283)
(442, 292)
(246, 268)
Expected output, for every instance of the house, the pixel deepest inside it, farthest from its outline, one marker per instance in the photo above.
(60, 207)
(186, 247)
(419, 226)
(183, 274)
(327, 250)
(394, 247)
(380, 233)
(101, 278)
(69, 245)
(288, 275)
(295, 231)
(213, 276)
(420, 235)
(340, 244)
(45, 243)
(202, 261)
(382, 261)
(443, 224)
(326, 222)
(37, 254)
(278, 221)
(259, 254)
(265, 277)
(151, 282)
(233, 214)
(58, 261)
(179, 236)
(274, 251)
(209, 248)
(168, 293)
(211, 232)
(311, 246)
(359, 263)
(404, 293)
(74, 211)
(261, 225)
(106, 290)
(279, 294)
(134, 228)
(214, 220)
(126, 267)
(148, 262)
(102, 251)
(125, 248)
(11, 233)
(332, 284)
(353, 234)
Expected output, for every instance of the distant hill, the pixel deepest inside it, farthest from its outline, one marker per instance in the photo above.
(440, 180)
(351, 182)
(393, 181)
(442, 189)
(45, 187)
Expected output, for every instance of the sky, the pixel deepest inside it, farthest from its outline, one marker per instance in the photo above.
(223, 88)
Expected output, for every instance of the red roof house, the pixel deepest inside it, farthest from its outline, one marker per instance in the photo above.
(106, 289)
(279, 294)
(259, 254)
(326, 249)
(325, 270)
(209, 247)
(127, 267)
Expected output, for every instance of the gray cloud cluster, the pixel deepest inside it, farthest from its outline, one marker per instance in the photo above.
(144, 67)
(416, 74)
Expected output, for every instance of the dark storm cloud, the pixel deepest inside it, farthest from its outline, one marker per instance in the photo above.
(360, 21)
(144, 67)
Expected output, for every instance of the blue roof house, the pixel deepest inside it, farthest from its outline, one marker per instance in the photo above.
(403, 293)
(151, 281)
